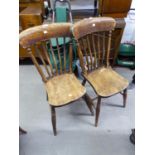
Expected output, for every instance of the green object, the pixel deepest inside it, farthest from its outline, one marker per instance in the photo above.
(61, 14)
(60, 41)
(127, 50)
(126, 55)
(125, 63)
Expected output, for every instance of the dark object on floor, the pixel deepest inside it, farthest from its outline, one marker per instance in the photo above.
(22, 131)
(126, 55)
(133, 79)
(132, 83)
(132, 136)
(131, 86)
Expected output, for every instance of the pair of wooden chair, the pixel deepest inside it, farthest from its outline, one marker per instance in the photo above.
(93, 37)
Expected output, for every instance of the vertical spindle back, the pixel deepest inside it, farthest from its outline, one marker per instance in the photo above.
(53, 44)
(94, 41)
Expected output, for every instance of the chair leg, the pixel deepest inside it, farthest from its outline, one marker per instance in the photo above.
(53, 115)
(97, 111)
(124, 97)
(46, 96)
(84, 82)
(89, 103)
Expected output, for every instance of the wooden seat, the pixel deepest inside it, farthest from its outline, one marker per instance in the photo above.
(64, 89)
(94, 43)
(55, 68)
(106, 82)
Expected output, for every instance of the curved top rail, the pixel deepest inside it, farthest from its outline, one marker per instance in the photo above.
(90, 25)
(35, 34)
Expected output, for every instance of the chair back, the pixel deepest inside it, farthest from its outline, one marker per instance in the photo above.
(51, 54)
(94, 41)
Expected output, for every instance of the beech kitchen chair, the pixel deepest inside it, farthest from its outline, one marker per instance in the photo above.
(61, 85)
(94, 41)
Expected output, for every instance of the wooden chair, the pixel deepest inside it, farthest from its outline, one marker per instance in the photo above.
(94, 41)
(61, 85)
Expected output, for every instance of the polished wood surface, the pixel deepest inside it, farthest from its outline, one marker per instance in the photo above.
(32, 3)
(29, 17)
(90, 25)
(31, 13)
(106, 81)
(114, 8)
(64, 89)
(44, 32)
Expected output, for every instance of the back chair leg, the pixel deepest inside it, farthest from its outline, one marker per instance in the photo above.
(124, 97)
(89, 103)
(97, 110)
(84, 82)
(53, 115)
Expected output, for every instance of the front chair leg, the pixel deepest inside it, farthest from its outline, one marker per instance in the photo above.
(53, 115)
(84, 82)
(124, 97)
(97, 111)
(89, 103)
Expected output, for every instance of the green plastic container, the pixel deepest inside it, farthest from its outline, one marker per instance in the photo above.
(127, 50)
(126, 55)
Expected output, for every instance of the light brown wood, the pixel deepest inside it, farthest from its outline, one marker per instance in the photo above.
(106, 82)
(114, 8)
(32, 3)
(108, 49)
(64, 89)
(31, 16)
(64, 41)
(70, 58)
(90, 25)
(37, 65)
(35, 34)
(43, 45)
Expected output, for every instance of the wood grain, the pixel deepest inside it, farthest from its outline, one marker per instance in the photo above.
(35, 34)
(114, 8)
(63, 89)
(106, 82)
(90, 25)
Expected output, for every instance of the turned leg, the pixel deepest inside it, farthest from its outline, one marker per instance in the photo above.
(53, 114)
(97, 110)
(22, 131)
(89, 103)
(124, 97)
(46, 96)
(84, 82)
